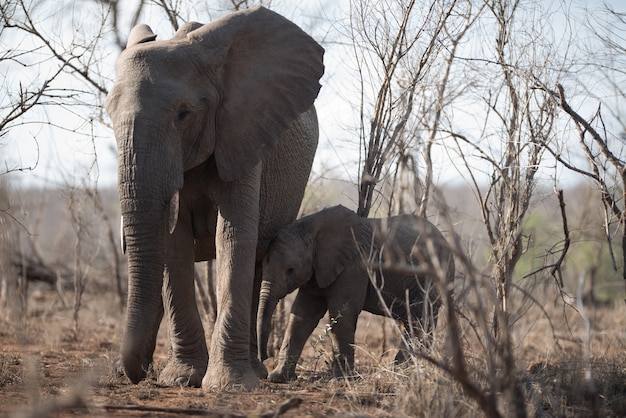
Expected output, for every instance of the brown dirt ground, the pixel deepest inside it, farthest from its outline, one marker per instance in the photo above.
(44, 369)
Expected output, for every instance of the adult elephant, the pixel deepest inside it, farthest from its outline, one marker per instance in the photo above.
(216, 134)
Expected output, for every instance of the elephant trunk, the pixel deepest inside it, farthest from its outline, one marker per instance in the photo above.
(147, 201)
(268, 300)
(146, 256)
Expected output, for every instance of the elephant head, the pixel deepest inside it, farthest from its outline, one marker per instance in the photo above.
(317, 246)
(221, 93)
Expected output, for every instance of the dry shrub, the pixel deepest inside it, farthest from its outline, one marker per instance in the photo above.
(10, 371)
(553, 373)
(431, 392)
(573, 388)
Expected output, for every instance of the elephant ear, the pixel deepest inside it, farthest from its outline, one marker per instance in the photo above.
(269, 75)
(185, 29)
(139, 34)
(338, 241)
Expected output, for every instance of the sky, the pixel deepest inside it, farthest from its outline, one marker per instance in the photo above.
(79, 149)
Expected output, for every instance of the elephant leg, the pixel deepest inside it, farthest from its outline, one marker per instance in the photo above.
(424, 314)
(305, 314)
(343, 327)
(407, 342)
(150, 347)
(236, 242)
(188, 355)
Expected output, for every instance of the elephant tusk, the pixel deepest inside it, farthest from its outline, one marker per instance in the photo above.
(174, 204)
(122, 236)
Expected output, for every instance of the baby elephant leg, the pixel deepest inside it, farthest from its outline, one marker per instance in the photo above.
(418, 333)
(425, 315)
(420, 326)
(343, 327)
(404, 350)
(306, 313)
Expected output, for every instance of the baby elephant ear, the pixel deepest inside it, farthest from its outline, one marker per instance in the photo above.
(327, 266)
(139, 34)
(337, 230)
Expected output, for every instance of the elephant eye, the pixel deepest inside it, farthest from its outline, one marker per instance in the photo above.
(290, 271)
(182, 114)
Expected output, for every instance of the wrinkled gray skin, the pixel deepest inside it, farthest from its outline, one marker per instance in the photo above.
(216, 135)
(319, 255)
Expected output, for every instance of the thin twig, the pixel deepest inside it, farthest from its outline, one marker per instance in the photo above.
(284, 407)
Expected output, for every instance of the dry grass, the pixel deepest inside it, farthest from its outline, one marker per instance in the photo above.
(44, 372)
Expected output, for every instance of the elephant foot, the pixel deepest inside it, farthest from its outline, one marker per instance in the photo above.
(281, 376)
(343, 372)
(259, 368)
(401, 357)
(180, 374)
(220, 376)
(117, 368)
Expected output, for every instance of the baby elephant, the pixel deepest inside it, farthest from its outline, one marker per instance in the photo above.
(334, 257)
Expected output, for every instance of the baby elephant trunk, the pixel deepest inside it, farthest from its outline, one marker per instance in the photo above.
(267, 304)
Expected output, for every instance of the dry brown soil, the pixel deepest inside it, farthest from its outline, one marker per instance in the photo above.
(46, 369)
(49, 369)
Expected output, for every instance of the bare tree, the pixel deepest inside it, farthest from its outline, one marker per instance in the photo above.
(480, 61)
(119, 31)
(394, 46)
(517, 120)
(406, 55)
(600, 135)
(46, 76)
(246, 4)
(606, 168)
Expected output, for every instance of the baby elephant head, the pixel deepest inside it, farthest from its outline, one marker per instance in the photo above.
(288, 264)
(316, 246)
